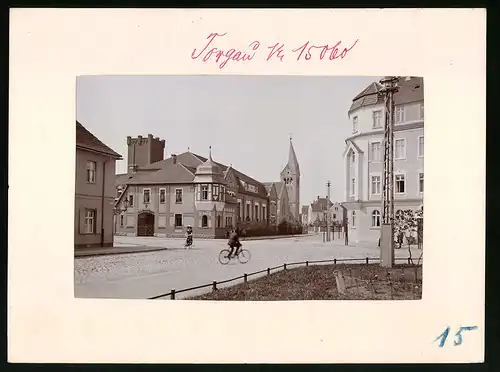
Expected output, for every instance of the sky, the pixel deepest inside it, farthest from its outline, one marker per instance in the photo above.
(247, 120)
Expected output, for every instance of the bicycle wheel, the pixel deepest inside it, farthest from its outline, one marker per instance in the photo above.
(223, 259)
(244, 256)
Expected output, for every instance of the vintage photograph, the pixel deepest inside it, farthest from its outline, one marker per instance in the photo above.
(249, 188)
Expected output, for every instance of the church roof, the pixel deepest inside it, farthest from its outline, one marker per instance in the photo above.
(87, 141)
(293, 163)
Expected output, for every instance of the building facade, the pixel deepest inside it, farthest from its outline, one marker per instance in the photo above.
(187, 189)
(363, 156)
(94, 190)
(338, 213)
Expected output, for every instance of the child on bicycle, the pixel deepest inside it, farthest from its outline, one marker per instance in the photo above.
(233, 241)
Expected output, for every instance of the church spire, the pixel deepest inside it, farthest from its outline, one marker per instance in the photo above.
(293, 163)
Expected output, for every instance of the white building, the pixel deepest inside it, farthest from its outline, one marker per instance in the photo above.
(363, 156)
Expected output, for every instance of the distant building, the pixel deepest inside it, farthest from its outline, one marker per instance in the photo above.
(94, 190)
(318, 212)
(166, 195)
(305, 215)
(338, 213)
(363, 156)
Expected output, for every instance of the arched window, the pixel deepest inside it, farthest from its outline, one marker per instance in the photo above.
(376, 218)
(204, 221)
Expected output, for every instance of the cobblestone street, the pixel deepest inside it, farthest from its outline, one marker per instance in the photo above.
(147, 274)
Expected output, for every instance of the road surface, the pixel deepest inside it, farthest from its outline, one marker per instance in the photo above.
(147, 274)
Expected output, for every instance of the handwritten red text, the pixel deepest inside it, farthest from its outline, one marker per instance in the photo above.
(275, 50)
(306, 51)
(223, 57)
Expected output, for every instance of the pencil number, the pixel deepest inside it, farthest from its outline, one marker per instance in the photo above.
(458, 336)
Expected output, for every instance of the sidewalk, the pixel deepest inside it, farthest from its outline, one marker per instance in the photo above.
(86, 252)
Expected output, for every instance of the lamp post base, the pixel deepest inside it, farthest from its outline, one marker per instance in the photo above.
(386, 246)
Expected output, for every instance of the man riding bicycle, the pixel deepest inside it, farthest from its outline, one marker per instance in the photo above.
(233, 242)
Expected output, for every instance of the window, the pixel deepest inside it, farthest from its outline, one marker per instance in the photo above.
(353, 187)
(422, 111)
(353, 158)
(375, 185)
(229, 221)
(204, 192)
(131, 200)
(400, 114)
(146, 195)
(256, 215)
(215, 192)
(334, 215)
(204, 221)
(219, 220)
(400, 149)
(375, 218)
(355, 124)
(90, 222)
(421, 146)
(248, 211)
(400, 184)
(353, 218)
(178, 196)
(178, 221)
(420, 182)
(377, 119)
(376, 151)
(90, 170)
(162, 196)
(264, 214)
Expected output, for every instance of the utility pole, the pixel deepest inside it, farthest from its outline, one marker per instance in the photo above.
(390, 86)
(328, 184)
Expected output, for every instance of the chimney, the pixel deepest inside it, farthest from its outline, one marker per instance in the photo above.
(174, 158)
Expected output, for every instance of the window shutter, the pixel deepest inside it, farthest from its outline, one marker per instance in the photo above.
(210, 222)
(198, 197)
(199, 221)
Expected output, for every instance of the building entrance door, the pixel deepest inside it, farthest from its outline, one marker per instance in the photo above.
(146, 224)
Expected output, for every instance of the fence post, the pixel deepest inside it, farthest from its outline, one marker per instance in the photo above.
(334, 261)
(214, 286)
(307, 263)
(172, 294)
(268, 271)
(367, 260)
(409, 260)
(245, 277)
(284, 266)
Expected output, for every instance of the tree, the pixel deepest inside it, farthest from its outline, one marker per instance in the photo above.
(405, 226)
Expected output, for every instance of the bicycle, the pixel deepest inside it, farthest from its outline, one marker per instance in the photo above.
(243, 256)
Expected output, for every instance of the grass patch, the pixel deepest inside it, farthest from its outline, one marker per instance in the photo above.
(318, 282)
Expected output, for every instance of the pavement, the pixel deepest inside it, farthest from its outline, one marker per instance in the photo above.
(152, 272)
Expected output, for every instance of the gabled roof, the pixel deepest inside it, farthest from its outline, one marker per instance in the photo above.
(321, 204)
(189, 162)
(172, 173)
(350, 144)
(87, 141)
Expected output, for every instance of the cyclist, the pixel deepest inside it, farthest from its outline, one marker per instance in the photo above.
(189, 236)
(233, 241)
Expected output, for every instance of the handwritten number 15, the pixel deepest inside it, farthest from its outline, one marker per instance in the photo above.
(458, 336)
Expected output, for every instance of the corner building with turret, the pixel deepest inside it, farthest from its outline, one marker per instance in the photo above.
(163, 196)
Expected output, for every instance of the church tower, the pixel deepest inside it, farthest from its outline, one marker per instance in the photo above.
(290, 175)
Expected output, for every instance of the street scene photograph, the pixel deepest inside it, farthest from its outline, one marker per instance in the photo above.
(249, 188)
